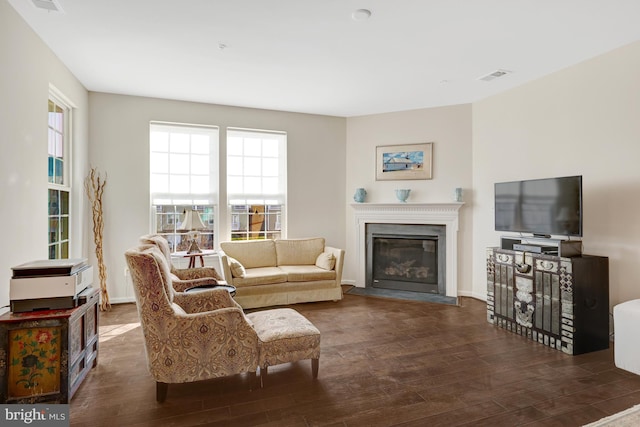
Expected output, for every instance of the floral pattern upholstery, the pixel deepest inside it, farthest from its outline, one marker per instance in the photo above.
(197, 336)
(184, 277)
(285, 336)
(182, 343)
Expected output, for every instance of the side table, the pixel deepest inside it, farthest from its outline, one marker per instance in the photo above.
(192, 257)
(45, 355)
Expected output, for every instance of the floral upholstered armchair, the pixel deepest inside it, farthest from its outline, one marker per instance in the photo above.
(188, 336)
(185, 277)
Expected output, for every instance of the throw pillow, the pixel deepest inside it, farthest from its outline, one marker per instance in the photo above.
(237, 269)
(326, 261)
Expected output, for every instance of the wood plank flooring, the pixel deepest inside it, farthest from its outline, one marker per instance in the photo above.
(384, 362)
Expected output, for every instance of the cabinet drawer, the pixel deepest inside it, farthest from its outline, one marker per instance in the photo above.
(502, 258)
(547, 265)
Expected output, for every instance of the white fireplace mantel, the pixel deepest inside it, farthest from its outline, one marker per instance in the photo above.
(410, 213)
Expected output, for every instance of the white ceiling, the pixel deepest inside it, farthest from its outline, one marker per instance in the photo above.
(312, 57)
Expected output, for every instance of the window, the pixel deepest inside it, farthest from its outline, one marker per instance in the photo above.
(256, 183)
(183, 164)
(59, 142)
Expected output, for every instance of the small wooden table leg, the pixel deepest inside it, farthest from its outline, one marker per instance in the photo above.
(315, 363)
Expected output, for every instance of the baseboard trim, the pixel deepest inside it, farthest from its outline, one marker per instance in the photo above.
(122, 300)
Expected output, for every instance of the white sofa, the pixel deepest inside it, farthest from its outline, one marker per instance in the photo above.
(282, 271)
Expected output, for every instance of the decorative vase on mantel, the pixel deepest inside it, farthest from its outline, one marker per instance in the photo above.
(457, 194)
(403, 194)
(360, 194)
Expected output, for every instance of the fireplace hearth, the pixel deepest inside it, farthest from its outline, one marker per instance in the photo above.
(406, 257)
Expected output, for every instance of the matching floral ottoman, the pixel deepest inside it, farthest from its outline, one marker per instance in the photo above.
(285, 336)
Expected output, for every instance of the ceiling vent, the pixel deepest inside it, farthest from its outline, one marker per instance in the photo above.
(496, 74)
(48, 5)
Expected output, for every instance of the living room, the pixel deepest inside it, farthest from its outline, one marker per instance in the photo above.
(577, 121)
(581, 120)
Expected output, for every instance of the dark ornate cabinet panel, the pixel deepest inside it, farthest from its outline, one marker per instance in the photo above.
(559, 302)
(45, 355)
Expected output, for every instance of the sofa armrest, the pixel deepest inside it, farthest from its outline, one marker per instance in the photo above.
(226, 269)
(339, 255)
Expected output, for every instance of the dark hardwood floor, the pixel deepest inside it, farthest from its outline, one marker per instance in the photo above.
(384, 362)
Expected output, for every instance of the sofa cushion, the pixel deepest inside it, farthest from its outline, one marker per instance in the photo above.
(260, 276)
(237, 269)
(306, 273)
(252, 253)
(299, 251)
(326, 261)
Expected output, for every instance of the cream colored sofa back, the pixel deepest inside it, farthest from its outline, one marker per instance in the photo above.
(252, 253)
(271, 253)
(299, 251)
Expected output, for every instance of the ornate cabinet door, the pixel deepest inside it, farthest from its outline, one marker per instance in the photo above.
(35, 363)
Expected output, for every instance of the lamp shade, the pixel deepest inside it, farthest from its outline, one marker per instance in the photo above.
(192, 221)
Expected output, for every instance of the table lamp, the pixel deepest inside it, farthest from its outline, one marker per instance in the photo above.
(193, 223)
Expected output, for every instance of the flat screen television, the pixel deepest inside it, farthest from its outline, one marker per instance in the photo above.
(542, 207)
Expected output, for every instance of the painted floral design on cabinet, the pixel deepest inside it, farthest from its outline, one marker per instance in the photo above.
(34, 364)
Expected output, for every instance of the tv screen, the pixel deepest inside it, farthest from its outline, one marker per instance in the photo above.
(546, 207)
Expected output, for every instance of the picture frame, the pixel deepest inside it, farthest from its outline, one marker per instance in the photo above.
(402, 162)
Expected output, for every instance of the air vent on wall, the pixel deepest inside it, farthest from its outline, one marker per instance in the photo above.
(496, 74)
(48, 5)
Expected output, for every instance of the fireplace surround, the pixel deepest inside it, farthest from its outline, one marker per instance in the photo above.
(410, 213)
(406, 257)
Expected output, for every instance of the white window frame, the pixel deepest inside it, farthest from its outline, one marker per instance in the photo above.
(247, 168)
(187, 199)
(58, 98)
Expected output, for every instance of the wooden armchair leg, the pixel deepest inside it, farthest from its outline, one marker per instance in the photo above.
(315, 364)
(263, 376)
(253, 380)
(161, 391)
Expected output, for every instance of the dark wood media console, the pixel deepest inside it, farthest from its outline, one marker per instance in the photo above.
(557, 301)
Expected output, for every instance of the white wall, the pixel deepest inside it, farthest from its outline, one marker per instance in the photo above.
(584, 120)
(28, 67)
(449, 128)
(120, 148)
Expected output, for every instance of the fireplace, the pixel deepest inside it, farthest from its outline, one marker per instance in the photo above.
(406, 257)
(444, 214)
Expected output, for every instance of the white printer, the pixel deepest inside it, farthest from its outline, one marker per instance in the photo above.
(49, 284)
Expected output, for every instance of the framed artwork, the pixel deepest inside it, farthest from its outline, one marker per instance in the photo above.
(398, 162)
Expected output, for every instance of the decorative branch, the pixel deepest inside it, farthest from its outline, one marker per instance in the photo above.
(94, 186)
